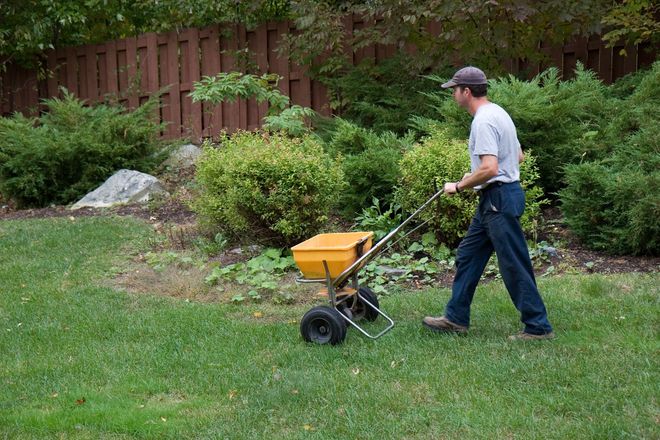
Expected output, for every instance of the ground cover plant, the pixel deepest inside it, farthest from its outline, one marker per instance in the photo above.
(83, 360)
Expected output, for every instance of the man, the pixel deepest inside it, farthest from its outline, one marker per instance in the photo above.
(495, 155)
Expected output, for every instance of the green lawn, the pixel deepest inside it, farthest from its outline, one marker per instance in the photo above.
(80, 360)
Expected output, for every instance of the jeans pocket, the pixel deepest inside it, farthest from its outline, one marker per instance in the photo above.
(507, 199)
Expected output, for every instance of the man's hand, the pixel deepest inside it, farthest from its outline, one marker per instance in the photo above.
(450, 188)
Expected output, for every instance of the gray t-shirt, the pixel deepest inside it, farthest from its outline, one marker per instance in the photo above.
(492, 132)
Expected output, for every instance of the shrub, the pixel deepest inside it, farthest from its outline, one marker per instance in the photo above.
(370, 163)
(73, 148)
(613, 204)
(382, 97)
(436, 160)
(439, 159)
(274, 187)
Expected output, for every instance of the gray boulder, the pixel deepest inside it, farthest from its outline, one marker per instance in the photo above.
(185, 156)
(125, 186)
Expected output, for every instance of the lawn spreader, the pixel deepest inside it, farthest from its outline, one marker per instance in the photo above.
(335, 259)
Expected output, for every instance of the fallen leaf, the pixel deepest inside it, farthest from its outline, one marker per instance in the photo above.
(163, 419)
(356, 371)
(80, 401)
(308, 427)
(232, 394)
(54, 395)
(258, 315)
(72, 218)
(294, 391)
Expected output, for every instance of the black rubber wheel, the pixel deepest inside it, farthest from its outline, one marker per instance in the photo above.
(323, 325)
(361, 309)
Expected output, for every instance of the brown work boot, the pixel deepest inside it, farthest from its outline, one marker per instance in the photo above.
(522, 336)
(442, 324)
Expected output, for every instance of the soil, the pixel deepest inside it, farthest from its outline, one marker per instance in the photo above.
(570, 251)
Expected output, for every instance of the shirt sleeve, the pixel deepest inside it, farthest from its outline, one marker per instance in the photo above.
(485, 139)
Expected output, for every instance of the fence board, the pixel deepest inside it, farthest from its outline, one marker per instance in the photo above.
(210, 48)
(132, 72)
(92, 73)
(173, 81)
(71, 72)
(228, 63)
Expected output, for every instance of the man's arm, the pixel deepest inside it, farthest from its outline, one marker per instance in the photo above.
(488, 168)
(521, 155)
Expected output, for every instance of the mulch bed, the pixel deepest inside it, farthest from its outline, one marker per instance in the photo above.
(571, 252)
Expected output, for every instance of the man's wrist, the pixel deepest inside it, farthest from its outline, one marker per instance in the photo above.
(457, 188)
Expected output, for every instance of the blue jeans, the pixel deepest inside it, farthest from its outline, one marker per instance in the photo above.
(496, 227)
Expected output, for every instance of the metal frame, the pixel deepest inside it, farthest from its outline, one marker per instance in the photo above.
(351, 272)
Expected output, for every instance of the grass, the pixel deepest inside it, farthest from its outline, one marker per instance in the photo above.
(81, 360)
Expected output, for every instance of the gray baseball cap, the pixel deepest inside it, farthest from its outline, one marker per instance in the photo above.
(467, 76)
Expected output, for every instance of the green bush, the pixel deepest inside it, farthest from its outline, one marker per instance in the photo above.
(272, 187)
(382, 97)
(613, 204)
(72, 148)
(439, 159)
(370, 162)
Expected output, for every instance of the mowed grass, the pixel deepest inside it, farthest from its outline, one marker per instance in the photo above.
(81, 360)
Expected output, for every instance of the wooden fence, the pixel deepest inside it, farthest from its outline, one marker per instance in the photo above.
(133, 69)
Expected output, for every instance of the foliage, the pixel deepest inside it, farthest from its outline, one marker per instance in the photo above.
(292, 120)
(370, 163)
(439, 159)
(210, 246)
(633, 21)
(28, 28)
(160, 261)
(382, 97)
(227, 86)
(379, 220)
(261, 273)
(554, 118)
(611, 201)
(514, 29)
(425, 168)
(72, 148)
(270, 186)
(230, 86)
(612, 204)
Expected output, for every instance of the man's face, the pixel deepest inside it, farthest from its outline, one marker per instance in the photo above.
(461, 96)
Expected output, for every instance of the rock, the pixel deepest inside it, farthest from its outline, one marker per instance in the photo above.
(551, 251)
(185, 156)
(252, 249)
(392, 271)
(125, 186)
